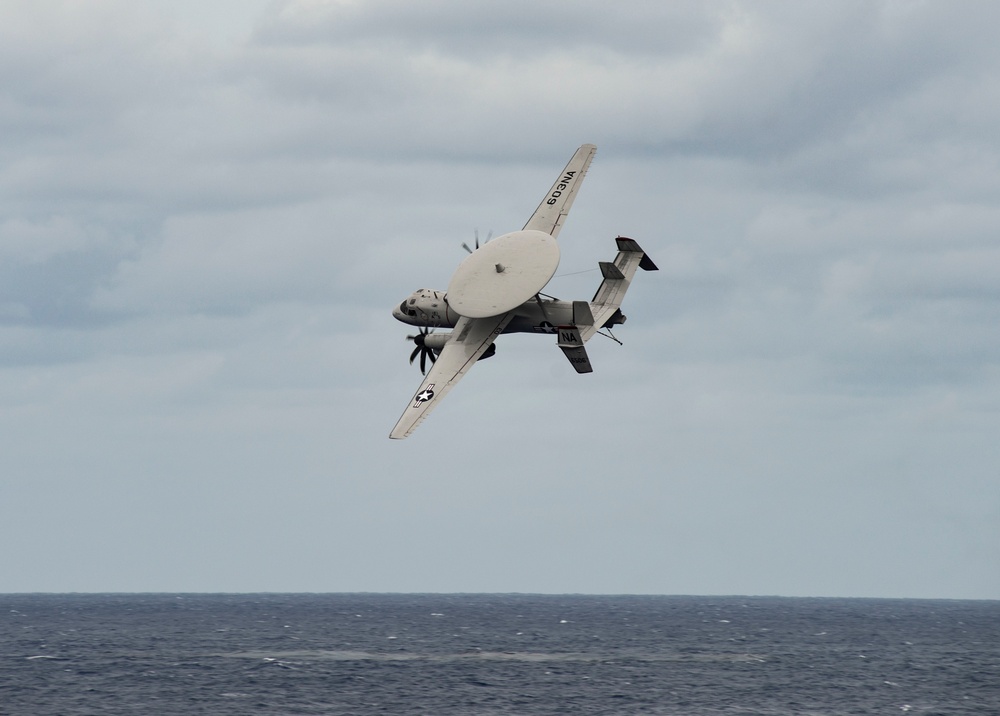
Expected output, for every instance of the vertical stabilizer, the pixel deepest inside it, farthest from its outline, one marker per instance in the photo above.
(571, 343)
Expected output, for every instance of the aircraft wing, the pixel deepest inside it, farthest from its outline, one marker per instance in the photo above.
(470, 338)
(551, 213)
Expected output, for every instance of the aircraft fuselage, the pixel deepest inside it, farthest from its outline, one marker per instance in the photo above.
(429, 308)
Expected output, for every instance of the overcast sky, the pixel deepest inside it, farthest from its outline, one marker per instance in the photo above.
(209, 209)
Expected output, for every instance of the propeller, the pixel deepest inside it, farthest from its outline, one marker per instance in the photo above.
(488, 237)
(422, 350)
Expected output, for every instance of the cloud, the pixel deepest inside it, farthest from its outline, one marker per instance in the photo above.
(207, 214)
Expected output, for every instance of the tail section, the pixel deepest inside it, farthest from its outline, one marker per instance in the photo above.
(606, 305)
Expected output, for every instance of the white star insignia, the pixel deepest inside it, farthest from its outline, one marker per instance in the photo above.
(424, 395)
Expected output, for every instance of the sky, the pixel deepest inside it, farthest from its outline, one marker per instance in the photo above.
(209, 209)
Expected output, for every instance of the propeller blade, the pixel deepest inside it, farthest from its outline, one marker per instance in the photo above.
(421, 348)
(475, 233)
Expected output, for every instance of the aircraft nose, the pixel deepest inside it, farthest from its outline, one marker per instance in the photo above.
(399, 314)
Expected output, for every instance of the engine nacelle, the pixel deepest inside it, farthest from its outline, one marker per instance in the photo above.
(436, 341)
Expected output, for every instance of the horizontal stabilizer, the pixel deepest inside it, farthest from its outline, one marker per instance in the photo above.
(606, 304)
(571, 343)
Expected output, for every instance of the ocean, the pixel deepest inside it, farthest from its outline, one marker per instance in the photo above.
(471, 654)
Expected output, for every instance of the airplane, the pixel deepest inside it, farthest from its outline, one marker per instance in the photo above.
(497, 289)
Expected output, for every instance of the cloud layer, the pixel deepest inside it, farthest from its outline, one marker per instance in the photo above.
(207, 215)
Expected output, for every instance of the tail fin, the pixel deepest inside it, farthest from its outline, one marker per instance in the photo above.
(571, 343)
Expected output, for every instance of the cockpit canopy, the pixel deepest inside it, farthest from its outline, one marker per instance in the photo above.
(425, 307)
(423, 300)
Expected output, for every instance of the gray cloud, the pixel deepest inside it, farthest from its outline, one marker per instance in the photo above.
(207, 214)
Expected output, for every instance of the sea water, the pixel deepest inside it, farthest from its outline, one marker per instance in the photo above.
(366, 654)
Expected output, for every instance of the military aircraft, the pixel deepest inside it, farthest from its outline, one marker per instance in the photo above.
(497, 289)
